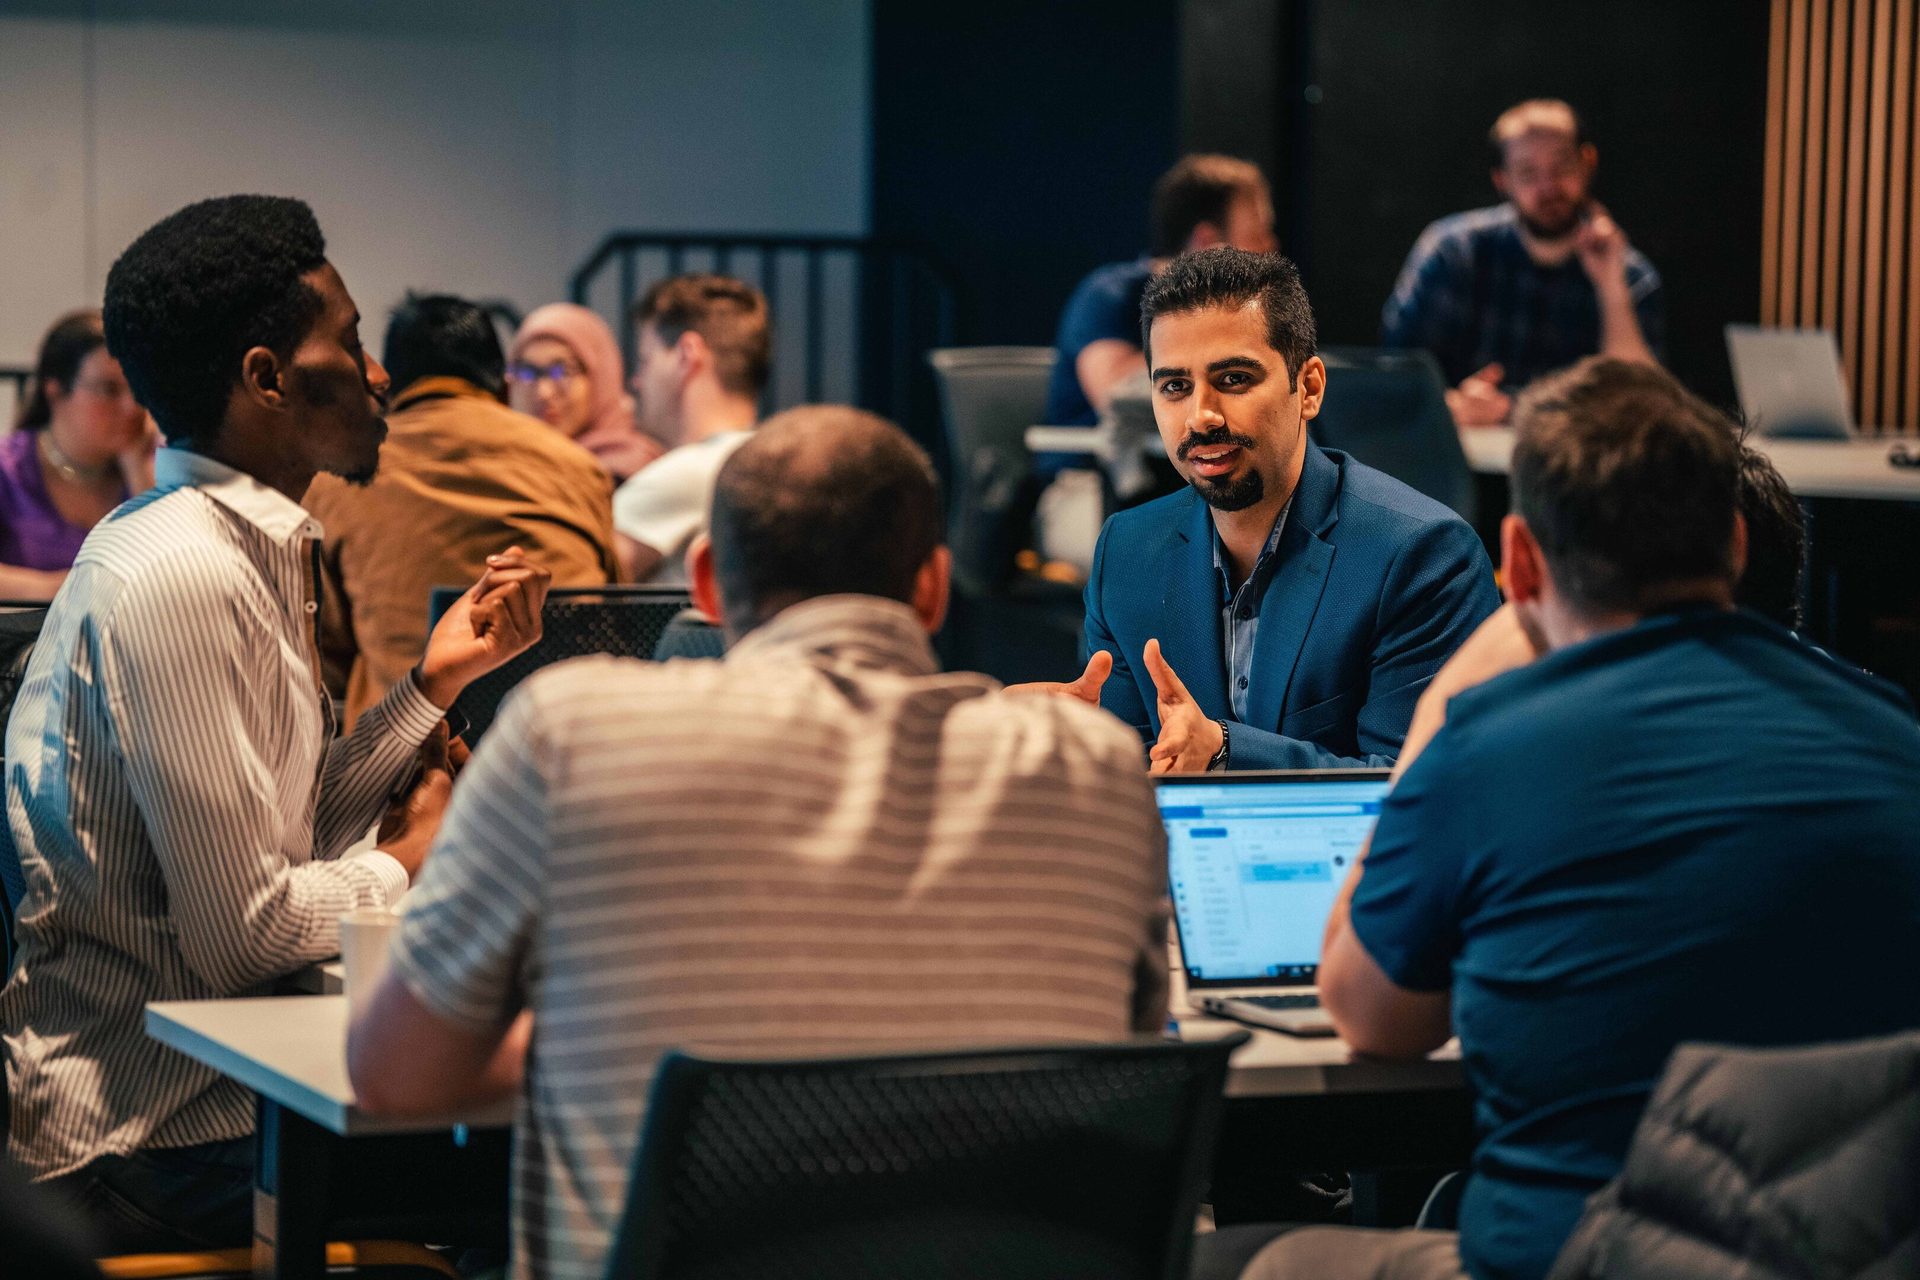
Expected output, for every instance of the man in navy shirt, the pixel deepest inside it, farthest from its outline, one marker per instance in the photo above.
(1676, 823)
(1200, 202)
(1503, 295)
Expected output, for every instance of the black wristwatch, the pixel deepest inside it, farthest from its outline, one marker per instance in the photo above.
(1219, 760)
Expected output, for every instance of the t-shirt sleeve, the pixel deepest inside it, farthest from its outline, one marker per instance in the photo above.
(665, 505)
(471, 920)
(1100, 309)
(1406, 908)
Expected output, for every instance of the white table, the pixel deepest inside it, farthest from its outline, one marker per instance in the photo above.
(291, 1051)
(1851, 469)
(310, 1137)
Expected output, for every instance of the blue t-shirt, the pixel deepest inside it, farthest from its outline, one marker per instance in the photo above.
(1104, 305)
(1472, 295)
(1698, 828)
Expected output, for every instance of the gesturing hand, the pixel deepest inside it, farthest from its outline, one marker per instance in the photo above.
(1478, 401)
(1602, 248)
(496, 619)
(1086, 688)
(1189, 738)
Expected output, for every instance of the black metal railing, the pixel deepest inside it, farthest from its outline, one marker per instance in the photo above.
(852, 317)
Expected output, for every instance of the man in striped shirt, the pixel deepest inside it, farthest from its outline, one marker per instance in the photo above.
(178, 801)
(819, 844)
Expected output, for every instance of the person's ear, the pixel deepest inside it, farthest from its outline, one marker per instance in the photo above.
(1500, 183)
(1313, 386)
(262, 379)
(692, 354)
(931, 587)
(702, 584)
(1589, 157)
(1522, 571)
(1738, 559)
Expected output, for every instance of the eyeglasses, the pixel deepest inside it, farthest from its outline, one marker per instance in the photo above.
(106, 390)
(559, 373)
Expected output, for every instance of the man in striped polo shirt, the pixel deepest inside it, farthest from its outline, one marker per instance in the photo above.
(819, 844)
(180, 804)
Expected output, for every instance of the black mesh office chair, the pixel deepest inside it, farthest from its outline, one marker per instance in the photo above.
(577, 621)
(1057, 1163)
(689, 635)
(1389, 409)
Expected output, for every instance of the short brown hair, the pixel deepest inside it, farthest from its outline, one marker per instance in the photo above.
(1535, 115)
(1198, 189)
(730, 315)
(821, 500)
(1628, 481)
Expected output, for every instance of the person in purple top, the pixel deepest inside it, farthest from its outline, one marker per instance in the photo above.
(80, 448)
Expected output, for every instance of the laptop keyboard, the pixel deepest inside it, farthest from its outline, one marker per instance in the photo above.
(1310, 1000)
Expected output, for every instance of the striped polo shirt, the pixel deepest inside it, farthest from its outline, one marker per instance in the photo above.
(818, 844)
(180, 808)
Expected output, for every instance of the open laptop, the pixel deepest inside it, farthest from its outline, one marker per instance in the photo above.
(1254, 862)
(1790, 382)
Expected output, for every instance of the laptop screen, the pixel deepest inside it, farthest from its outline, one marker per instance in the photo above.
(1254, 862)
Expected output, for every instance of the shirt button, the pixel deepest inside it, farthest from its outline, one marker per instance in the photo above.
(1243, 682)
(1245, 614)
(312, 607)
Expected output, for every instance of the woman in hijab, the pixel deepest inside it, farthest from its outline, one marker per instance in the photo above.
(564, 368)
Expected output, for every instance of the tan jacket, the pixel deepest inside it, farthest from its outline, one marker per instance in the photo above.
(461, 476)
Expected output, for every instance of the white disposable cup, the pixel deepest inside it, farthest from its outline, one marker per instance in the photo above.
(365, 936)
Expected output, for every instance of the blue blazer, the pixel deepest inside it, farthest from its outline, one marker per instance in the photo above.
(1374, 589)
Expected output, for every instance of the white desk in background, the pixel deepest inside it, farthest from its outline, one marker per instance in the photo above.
(291, 1051)
(1848, 469)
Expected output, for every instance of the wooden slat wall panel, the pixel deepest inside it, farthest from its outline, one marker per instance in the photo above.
(1842, 218)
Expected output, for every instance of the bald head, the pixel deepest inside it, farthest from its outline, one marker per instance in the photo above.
(823, 500)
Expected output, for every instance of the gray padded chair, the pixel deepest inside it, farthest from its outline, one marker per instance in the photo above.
(1389, 409)
(989, 397)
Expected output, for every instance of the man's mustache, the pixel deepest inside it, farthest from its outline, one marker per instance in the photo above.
(1212, 440)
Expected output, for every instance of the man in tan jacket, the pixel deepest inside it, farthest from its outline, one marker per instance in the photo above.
(461, 477)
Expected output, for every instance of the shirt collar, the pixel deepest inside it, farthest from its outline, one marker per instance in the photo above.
(441, 388)
(268, 510)
(1259, 562)
(865, 630)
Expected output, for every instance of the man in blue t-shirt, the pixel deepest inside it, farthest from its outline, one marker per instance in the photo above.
(1675, 823)
(1505, 294)
(1203, 201)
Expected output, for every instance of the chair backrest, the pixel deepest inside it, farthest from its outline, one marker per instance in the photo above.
(689, 635)
(1389, 409)
(1056, 1163)
(989, 396)
(576, 621)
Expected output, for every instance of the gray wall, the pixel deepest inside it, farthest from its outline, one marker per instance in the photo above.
(482, 147)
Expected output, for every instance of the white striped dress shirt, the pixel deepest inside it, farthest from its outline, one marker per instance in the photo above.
(819, 844)
(180, 807)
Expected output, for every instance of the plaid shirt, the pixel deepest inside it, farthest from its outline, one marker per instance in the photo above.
(1472, 295)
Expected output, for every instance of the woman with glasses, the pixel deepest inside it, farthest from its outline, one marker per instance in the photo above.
(564, 368)
(80, 447)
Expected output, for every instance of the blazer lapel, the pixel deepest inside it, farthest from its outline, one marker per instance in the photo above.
(1293, 594)
(1190, 636)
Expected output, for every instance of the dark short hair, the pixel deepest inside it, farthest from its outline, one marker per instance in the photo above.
(729, 315)
(200, 288)
(1629, 483)
(821, 500)
(1230, 278)
(1776, 542)
(1198, 189)
(436, 335)
(73, 338)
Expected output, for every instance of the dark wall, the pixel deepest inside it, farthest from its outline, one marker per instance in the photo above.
(1018, 141)
(1382, 123)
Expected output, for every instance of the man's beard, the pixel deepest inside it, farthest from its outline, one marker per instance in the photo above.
(1229, 494)
(1558, 230)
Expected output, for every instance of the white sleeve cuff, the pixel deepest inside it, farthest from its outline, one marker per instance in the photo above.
(387, 870)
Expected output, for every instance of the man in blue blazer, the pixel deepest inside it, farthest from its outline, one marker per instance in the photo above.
(1287, 609)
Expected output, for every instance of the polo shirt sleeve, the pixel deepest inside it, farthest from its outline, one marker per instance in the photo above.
(463, 944)
(1102, 308)
(1431, 307)
(1406, 908)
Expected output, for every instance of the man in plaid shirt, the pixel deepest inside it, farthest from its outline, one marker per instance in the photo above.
(1505, 294)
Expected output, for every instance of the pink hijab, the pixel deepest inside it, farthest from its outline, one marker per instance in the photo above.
(610, 434)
